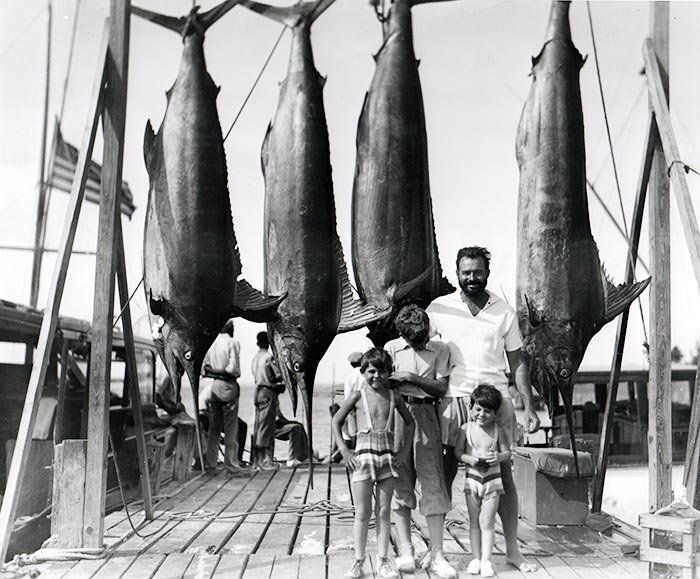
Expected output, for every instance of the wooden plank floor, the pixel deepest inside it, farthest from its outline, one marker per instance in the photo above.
(273, 525)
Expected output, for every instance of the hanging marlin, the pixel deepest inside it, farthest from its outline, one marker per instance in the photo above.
(394, 250)
(190, 256)
(563, 293)
(303, 255)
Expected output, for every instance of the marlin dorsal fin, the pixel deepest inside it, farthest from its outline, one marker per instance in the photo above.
(618, 298)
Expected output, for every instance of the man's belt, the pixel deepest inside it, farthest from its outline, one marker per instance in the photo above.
(416, 400)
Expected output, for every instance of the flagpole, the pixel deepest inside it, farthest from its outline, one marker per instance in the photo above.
(41, 210)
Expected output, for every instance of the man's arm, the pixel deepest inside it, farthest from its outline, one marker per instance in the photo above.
(433, 386)
(521, 375)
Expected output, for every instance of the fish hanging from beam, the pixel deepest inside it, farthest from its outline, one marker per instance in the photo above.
(394, 249)
(563, 293)
(303, 254)
(190, 256)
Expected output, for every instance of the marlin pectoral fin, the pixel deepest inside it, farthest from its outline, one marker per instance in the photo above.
(253, 305)
(398, 291)
(618, 298)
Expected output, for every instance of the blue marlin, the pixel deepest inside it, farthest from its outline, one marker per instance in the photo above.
(190, 257)
(394, 249)
(303, 254)
(564, 295)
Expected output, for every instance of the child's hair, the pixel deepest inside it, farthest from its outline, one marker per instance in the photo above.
(378, 358)
(486, 396)
(412, 323)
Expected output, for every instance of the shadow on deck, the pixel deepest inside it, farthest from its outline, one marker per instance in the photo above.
(273, 525)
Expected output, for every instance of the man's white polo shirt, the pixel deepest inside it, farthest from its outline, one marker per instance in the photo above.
(477, 343)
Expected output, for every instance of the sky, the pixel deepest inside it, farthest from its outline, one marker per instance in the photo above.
(475, 59)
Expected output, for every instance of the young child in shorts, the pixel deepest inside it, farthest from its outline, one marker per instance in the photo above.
(481, 446)
(372, 462)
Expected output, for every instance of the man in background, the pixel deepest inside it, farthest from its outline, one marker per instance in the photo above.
(270, 423)
(220, 372)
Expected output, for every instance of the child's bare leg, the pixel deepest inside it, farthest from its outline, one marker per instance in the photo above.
(385, 489)
(362, 493)
(487, 523)
(474, 508)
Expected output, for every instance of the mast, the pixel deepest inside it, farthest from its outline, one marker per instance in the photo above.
(41, 209)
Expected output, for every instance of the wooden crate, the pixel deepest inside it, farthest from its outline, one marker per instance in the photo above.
(547, 500)
(688, 533)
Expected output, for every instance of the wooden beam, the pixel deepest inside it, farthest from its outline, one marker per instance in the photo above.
(131, 375)
(659, 435)
(48, 325)
(673, 166)
(692, 452)
(61, 406)
(635, 234)
(113, 121)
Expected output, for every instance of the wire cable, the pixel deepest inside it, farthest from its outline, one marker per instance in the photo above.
(252, 88)
(614, 165)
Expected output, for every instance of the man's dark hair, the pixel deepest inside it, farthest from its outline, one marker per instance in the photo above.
(486, 396)
(412, 324)
(263, 340)
(378, 358)
(228, 327)
(473, 252)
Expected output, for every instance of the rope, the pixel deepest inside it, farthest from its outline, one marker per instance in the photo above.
(252, 88)
(686, 168)
(322, 508)
(614, 164)
(121, 494)
(126, 305)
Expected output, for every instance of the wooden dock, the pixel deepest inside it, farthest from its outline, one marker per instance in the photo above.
(272, 525)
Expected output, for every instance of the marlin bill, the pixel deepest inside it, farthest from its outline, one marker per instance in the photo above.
(563, 293)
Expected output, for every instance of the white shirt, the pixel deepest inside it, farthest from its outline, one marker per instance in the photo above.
(477, 343)
(432, 362)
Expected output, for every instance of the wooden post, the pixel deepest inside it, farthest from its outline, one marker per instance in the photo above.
(184, 451)
(659, 436)
(113, 120)
(68, 493)
(606, 428)
(674, 167)
(48, 325)
(132, 376)
(692, 452)
(61, 406)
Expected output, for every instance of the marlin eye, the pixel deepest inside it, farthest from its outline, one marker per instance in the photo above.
(188, 355)
(564, 373)
(297, 367)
